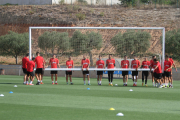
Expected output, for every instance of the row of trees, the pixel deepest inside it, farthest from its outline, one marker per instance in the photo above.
(129, 43)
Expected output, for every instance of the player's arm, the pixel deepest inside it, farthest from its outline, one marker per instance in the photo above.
(155, 67)
(88, 65)
(22, 63)
(82, 65)
(175, 67)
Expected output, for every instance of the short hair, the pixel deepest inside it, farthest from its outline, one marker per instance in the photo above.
(27, 54)
(170, 56)
(155, 60)
(33, 58)
(167, 56)
(153, 56)
(125, 55)
(37, 53)
(110, 54)
(100, 55)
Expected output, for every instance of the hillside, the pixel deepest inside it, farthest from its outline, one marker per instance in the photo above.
(19, 18)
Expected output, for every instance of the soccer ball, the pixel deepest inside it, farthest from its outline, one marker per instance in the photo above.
(116, 84)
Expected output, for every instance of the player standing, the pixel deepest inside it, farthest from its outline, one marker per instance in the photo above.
(152, 67)
(171, 60)
(54, 62)
(157, 72)
(135, 64)
(85, 65)
(145, 65)
(39, 68)
(110, 64)
(25, 60)
(100, 64)
(167, 71)
(69, 64)
(125, 65)
(30, 69)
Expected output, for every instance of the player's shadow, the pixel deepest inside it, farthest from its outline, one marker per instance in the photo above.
(10, 83)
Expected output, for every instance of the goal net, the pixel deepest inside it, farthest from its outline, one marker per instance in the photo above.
(95, 41)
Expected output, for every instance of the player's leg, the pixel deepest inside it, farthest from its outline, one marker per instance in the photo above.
(100, 77)
(84, 77)
(124, 84)
(143, 77)
(136, 72)
(88, 78)
(41, 75)
(109, 77)
(56, 76)
(31, 78)
(152, 75)
(28, 76)
(171, 79)
(37, 76)
(146, 76)
(126, 76)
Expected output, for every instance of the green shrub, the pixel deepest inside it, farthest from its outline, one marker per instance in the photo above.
(80, 16)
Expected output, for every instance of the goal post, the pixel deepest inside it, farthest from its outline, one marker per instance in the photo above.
(102, 28)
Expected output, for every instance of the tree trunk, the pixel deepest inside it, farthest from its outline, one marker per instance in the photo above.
(91, 59)
(16, 59)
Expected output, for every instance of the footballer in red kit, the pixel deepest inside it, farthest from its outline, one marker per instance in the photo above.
(125, 64)
(145, 74)
(85, 65)
(135, 64)
(39, 68)
(54, 62)
(69, 64)
(25, 60)
(100, 64)
(110, 64)
(157, 72)
(171, 60)
(167, 71)
(152, 67)
(30, 69)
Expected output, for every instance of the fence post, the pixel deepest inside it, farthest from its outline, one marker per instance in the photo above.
(71, 2)
(19, 70)
(155, 4)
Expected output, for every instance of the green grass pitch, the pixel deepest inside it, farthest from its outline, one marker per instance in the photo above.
(75, 102)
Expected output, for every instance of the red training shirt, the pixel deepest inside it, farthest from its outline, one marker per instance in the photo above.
(152, 64)
(30, 66)
(110, 63)
(25, 60)
(85, 63)
(125, 63)
(39, 62)
(146, 64)
(158, 69)
(135, 63)
(54, 62)
(69, 63)
(100, 64)
(171, 60)
(167, 64)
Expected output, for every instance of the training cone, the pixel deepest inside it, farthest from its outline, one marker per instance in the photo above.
(88, 88)
(130, 90)
(15, 85)
(120, 114)
(111, 109)
(10, 92)
(1, 95)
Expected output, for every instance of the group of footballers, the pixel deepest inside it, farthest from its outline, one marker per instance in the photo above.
(154, 65)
